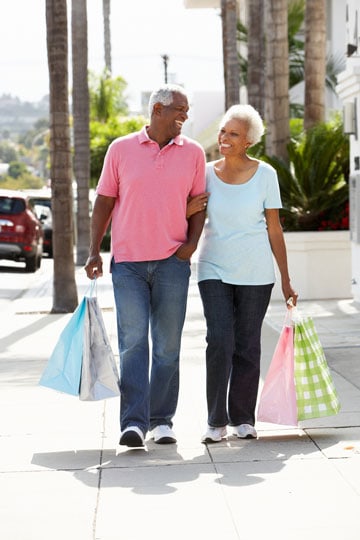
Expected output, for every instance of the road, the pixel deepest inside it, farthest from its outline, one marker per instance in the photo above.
(22, 292)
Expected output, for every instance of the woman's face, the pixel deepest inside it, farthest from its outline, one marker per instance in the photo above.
(232, 138)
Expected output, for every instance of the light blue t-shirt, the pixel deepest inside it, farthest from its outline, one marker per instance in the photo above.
(235, 246)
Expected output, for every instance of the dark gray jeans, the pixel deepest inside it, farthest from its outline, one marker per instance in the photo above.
(234, 315)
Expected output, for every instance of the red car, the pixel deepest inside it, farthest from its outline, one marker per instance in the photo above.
(21, 233)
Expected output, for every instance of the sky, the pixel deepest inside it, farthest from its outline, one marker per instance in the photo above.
(141, 32)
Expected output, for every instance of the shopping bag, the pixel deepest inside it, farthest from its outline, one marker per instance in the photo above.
(316, 395)
(99, 375)
(63, 369)
(277, 402)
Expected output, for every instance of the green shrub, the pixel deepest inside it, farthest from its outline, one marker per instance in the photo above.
(314, 184)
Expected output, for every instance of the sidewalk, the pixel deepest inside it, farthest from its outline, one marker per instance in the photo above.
(63, 476)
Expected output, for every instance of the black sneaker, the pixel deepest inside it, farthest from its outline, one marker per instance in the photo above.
(132, 436)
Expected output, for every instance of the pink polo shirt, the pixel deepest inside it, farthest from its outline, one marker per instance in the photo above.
(151, 186)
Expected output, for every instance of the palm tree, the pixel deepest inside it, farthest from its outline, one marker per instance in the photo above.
(107, 36)
(80, 102)
(315, 62)
(231, 59)
(256, 55)
(277, 78)
(253, 65)
(65, 292)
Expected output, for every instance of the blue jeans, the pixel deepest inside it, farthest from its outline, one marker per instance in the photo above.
(149, 294)
(234, 315)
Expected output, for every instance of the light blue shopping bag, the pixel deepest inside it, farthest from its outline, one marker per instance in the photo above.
(63, 370)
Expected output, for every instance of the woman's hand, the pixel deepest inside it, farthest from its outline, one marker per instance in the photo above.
(196, 204)
(290, 296)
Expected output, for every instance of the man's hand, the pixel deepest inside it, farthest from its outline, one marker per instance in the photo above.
(186, 250)
(94, 266)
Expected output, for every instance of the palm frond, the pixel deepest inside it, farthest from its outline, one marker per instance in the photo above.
(314, 183)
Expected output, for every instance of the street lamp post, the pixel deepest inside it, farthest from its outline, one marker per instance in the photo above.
(165, 60)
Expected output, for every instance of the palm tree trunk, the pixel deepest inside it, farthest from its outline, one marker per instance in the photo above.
(230, 52)
(65, 292)
(277, 78)
(315, 62)
(80, 103)
(256, 55)
(107, 36)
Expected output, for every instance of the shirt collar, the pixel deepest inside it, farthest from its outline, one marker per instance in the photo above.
(144, 137)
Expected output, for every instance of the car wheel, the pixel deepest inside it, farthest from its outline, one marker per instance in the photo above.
(31, 264)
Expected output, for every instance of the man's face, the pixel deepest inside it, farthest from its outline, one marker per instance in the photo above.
(174, 115)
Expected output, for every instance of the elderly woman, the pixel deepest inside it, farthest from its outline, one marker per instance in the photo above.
(236, 272)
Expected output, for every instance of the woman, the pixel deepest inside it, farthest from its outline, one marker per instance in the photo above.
(236, 272)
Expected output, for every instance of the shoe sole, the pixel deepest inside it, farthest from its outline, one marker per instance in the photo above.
(246, 437)
(211, 441)
(131, 439)
(165, 440)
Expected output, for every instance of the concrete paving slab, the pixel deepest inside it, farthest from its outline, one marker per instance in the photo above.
(27, 453)
(154, 455)
(342, 419)
(163, 502)
(337, 442)
(47, 505)
(86, 457)
(349, 470)
(44, 411)
(341, 362)
(301, 499)
(281, 448)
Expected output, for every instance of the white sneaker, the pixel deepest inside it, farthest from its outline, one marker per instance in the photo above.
(132, 436)
(214, 434)
(163, 435)
(245, 431)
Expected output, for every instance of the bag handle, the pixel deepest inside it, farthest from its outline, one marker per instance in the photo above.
(293, 313)
(92, 289)
(288, 321)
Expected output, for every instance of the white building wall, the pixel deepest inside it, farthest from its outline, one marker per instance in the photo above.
(205, 108)
(335, 46)
(349, 92)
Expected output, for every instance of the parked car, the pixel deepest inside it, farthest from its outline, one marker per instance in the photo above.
(21, 233)
(40, 199)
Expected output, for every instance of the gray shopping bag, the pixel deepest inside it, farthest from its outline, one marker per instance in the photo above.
(99, 374)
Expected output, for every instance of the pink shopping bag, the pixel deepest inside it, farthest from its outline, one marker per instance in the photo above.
(277, 403)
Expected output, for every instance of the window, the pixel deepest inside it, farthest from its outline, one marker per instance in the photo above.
(11, 205)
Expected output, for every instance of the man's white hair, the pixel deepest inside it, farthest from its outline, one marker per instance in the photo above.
(165, 95)
(249, 115)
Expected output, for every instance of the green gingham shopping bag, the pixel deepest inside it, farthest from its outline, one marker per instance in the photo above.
(316, 395)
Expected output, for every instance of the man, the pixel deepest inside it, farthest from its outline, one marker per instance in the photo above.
(146, 180)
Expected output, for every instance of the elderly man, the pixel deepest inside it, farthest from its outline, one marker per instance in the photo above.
(143, 189)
